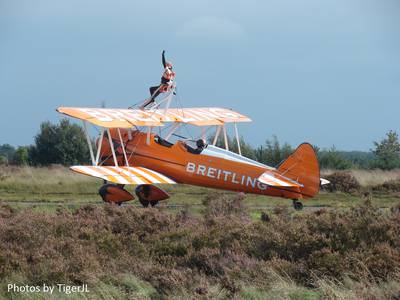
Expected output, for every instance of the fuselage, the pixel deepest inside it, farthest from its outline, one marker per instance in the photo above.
(205, 169)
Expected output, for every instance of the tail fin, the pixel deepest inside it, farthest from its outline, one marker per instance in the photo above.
(302, 166)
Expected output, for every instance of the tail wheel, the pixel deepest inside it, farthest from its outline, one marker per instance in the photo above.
(297, 205)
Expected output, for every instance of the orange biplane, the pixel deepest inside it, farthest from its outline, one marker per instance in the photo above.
(130, 152)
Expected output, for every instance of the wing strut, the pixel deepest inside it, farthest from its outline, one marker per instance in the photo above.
(99, 147)
(149, 130)
(89, 142)
(225, 138)
(112, 147)
(237, 138)
(203, 133)
(123, 147)
(216, 135)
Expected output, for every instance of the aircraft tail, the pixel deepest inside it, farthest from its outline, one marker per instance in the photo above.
(302, 166)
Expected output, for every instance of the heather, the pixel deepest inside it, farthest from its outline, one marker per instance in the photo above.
(131, 253)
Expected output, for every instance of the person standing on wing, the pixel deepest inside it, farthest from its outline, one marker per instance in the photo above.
(166, 80)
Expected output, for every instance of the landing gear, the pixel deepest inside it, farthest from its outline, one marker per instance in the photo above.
(297, 205)
(113, 193)
(150, 194)
(143, 192)
(144, 202)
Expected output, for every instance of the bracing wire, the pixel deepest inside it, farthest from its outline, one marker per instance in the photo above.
(179, 105)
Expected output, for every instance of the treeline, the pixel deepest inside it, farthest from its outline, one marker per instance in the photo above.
(65, 143)
(385, 155)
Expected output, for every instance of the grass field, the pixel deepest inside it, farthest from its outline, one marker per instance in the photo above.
(199, 244)
(59, 186)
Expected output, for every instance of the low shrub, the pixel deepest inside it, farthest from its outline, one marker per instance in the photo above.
(342, 182)
(224, 205)
(222, 253)
(391, 186)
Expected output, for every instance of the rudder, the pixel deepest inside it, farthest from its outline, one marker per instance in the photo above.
(302, 166)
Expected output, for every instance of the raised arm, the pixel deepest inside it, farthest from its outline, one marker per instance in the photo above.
(163, 59)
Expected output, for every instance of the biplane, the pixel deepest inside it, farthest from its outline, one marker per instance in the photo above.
(130, 151)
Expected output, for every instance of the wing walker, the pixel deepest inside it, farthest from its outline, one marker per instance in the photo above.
(140, 146)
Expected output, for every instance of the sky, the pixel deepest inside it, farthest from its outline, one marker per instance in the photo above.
(326, 72)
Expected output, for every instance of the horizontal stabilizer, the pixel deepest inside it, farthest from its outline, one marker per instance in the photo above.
(324, 181)
(124, 175)
(299, 171)
(272, 178)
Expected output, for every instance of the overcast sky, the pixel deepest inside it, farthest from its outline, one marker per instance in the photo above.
(326, 72)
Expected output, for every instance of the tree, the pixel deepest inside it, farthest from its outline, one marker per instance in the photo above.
(332, 159)
(21, 156)
(62, 143)
(7, 151)
(246, 149)
(387, 152)
(3, 160)
(272, 153)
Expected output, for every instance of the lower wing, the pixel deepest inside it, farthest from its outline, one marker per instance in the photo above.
(124, 175)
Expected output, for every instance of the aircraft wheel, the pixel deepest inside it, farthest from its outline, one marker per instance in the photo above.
(145, 203)
(153, 203)
(297, 205)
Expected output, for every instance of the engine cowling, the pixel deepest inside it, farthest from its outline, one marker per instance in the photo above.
(151, 193)
(114, 194)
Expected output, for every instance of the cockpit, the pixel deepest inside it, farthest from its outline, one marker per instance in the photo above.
(197, 147)
(163, 142)
(200, 146)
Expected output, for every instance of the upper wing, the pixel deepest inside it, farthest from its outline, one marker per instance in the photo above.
(112, 118)
(124, 175)
(126, 118)
(203, 116)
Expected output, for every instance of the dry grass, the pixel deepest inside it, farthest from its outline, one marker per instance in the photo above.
(369, 177)
(21, 177)
(35, 178)
(46, 184)
(53, 185)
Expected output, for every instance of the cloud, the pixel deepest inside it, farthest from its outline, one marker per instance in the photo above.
(211, 28)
